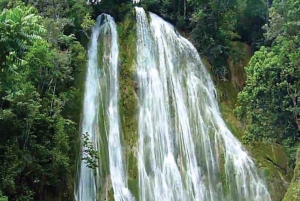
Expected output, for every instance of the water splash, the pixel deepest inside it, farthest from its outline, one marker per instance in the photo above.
(101, 113)
(186, 152)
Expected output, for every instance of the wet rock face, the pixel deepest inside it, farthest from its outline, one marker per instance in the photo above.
(293, 192)
(273, 162)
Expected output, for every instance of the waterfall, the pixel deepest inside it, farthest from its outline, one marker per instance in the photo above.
(185, 151)
(101, 99)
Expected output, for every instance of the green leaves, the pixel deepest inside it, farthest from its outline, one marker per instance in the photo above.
(19, 28)
(36, 131)
(87, 22)
(284, 20)
(13, 62)
(90, 154)
(213, 31)
(269, 101)
(3, 198)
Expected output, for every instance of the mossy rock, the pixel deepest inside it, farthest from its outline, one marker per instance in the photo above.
(293, 192)
(237, 63)
(272, 160)
(128, 97)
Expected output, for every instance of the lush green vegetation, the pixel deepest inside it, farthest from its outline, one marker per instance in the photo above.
(270, 100)
(42, 65)
(39, 64)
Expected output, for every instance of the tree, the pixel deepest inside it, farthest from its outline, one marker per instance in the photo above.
(252, 15)
(36, 135)
(19, 28)
(270, 100)
(213, 32)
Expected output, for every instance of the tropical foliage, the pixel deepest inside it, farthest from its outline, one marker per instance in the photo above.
(270, 99)
(37, 131)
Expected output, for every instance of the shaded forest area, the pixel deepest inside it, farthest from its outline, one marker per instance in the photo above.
(42, 67)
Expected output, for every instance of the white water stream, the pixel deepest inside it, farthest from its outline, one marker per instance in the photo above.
(102, 94)
(86, 184)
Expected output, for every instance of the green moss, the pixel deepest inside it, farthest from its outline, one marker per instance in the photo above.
(3, 198)
(240, 57)
(227, 94)
(271, 159)
(133, 172)
(128, 99)
(223, 172)
(293, 192)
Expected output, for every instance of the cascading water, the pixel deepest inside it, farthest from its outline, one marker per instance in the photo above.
(185, 152)
(101, 99)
